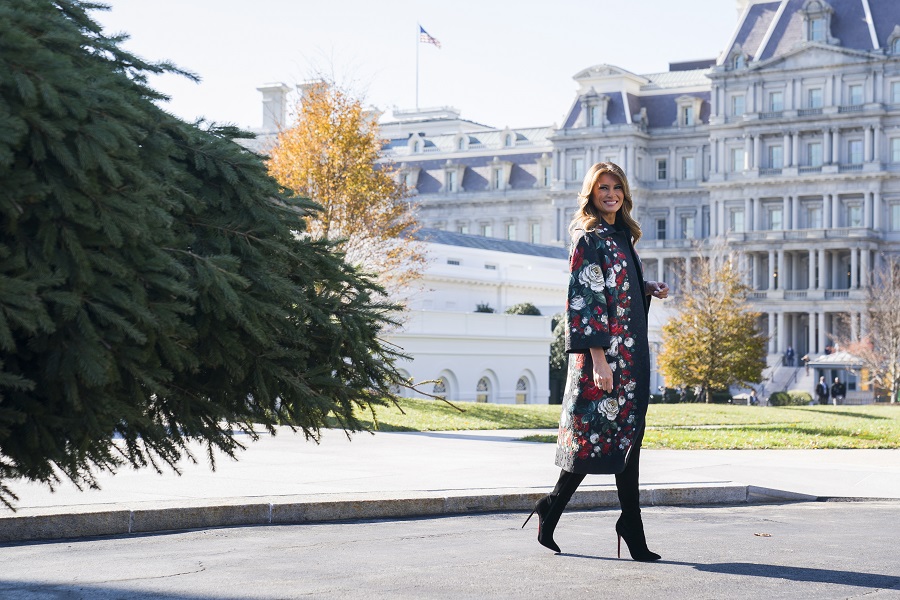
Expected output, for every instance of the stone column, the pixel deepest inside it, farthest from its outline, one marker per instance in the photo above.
(688, 271)
(854, 268)
(795, 149)
(867, 144)
(876, 210)
(826, 147)
(748, 203)
(826, 211)
(757, 150)
(811, 281)
(835, 211)
(785, 212)
(811, 334)
(854, 328)
(771, 319)
(821, 321)
(835, 146)
(867, 210)
(748, 152)
(785, 151)
(876, 144)
(771, 266)
(757, 214)
(780, 334)
(795, 212)
(837, 278)
(754, 271)
(795, 270)
(823, 271)
(864, 268)
(781, 279)
(660, 269)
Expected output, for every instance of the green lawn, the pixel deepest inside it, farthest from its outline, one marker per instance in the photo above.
(678, 426)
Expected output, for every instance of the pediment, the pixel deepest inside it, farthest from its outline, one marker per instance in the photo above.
(810, 55)
(603, 71)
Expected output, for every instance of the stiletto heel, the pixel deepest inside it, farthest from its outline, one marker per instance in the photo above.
(632, 529)
(529, 518)
(619, 550)
(546, 524)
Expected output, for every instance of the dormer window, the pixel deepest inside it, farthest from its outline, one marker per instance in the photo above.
(736, 58)
(453, 176)
(508, 141)
(593, 109)
(500, 171)
(461, 144)
(688, 111)
(417, 146)
(416, 143)
(893, 41)
(817, 30)
(817, 21)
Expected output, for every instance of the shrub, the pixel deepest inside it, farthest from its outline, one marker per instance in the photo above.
(789, 399)
(524, 308)
(800, 398)
(484, 308)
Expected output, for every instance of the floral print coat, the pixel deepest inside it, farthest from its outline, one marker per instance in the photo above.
(606, 307)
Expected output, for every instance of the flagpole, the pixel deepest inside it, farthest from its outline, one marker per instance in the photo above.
(417, 65)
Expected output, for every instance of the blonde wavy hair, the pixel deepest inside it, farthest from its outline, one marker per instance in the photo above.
(587, 217)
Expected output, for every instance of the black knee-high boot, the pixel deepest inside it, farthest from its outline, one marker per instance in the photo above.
(629, 526)
(551, 507)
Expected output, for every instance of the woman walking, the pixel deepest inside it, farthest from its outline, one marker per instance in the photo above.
(608, 382)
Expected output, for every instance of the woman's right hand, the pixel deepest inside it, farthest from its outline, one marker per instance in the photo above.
(602, 374)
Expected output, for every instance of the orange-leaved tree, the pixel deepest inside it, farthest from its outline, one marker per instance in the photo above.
(332, 154)
(713, 342)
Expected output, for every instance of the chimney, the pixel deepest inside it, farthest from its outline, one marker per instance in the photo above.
(274, 106)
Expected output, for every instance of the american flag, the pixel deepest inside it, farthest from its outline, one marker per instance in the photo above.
(425, 37)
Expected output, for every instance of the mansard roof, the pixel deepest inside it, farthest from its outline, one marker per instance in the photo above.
(770, 29)
(449, 238)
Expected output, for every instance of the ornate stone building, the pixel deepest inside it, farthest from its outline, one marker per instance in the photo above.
(785, 148)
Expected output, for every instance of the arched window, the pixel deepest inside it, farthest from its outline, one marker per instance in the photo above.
(817, 29)
(440, 388)
(417, 146)
(483, 390)
(461, 144)
(738, 61)
(522, 391)
(895, 46)
(508, 142)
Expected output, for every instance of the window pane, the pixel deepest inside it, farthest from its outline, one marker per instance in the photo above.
(547, 177)
(775, 157)
(895, 217)
(661, 168)
(687, 114)
(737, 105)
(737, 220)
(814, 217)
(577, 168)
(535, 233)
(737, 159)
(895, 149)
(817, 30)
(775, 218)
(814, 154)
(687, 227)
(856, 94)
(855, 152)
(687, 167)
(776, 101)
(660, 229)
(895, 92)
(814, 99)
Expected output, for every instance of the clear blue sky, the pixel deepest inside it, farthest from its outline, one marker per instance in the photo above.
(502, 63)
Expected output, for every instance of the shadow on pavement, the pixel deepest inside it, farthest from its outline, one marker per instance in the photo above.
(30, 589)
(854, 578)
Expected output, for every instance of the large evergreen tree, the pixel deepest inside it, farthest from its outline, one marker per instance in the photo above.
(155, 285)
(713, 342)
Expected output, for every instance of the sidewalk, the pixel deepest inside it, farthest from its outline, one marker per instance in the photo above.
(286, 479)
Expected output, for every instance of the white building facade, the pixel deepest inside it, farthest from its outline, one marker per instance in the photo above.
(786, 148)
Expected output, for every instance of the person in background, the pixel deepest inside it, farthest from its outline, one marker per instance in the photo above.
(789, 356)
(838, 391)
(608, 385)
(822, 391)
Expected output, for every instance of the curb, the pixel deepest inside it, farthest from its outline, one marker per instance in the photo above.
(118, 519)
